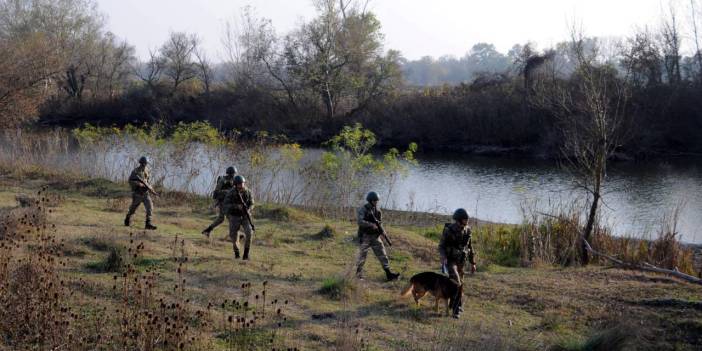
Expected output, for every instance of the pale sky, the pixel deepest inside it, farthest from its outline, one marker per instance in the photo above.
(415, 27)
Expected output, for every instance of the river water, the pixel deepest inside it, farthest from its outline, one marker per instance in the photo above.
(637, 197)
(637, 194)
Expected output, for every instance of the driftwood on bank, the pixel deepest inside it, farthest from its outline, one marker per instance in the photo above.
(645, 266)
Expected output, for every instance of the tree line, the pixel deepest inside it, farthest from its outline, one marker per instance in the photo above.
(63, 67)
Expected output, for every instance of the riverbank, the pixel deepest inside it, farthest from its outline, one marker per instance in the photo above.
(306, 260)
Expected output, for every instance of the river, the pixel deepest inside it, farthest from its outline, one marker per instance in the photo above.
(637, 195)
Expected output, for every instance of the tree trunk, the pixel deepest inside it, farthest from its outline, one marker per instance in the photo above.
(601, 158)
(589, 226)
(328, 101)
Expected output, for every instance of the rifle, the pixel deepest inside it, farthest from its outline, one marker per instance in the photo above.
(383, 234)
(145, 184)
(246, 210)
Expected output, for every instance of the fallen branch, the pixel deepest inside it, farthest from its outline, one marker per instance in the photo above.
(645, 266)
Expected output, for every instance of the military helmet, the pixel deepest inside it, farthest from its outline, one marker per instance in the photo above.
(231, 170)
(143, 160)
(372, 196)
(239, 179)
(460, 214)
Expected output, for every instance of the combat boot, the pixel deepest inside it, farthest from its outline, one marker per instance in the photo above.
(359, 273)
(127, 221)
(149, 226)
(457, 306)
(390, 275)
(246, 254)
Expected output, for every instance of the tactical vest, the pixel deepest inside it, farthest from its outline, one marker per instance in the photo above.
(370, 211)
(245, 195)
(135, 184)
(455, 244)
(227, 184)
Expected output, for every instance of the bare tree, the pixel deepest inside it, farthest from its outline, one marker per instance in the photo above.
(590, 110)
(112, 66)
(671, 41)
(150, 72)
(177, 54)
(696, 37)
(204, 67)
(119, 70)
(255, 58)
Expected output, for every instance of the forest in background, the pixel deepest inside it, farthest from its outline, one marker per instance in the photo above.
(63, 67)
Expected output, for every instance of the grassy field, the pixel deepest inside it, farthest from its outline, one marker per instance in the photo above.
(304, 262)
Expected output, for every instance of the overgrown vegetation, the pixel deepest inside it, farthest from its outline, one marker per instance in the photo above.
(43, 307)
(554, 239)
(187, 159)
(177, 286)
(335, 70)
(337, 288)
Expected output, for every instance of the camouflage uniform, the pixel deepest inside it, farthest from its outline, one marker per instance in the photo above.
(455, 247)
(233, 207)
(224, 184)
(140, 194)
(370, 238)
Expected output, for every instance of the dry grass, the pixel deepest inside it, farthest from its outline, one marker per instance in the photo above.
(555, 239)
(119, 204)
(41, 309)
(177, 273)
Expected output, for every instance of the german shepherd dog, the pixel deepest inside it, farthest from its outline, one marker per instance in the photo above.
(440, 286)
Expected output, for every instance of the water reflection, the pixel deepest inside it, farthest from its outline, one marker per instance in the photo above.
(637, 194)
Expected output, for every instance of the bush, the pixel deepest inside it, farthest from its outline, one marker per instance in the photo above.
(497, 244)
(100, 243)
(328, 232)
(199, 132)
(272, 212)
(113, 262)
(617, 338)
(337, 288)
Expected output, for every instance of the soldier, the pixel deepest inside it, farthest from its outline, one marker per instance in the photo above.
(224, 184)
(455, 247)
(237, 205)
(369, 234)
(141, 192)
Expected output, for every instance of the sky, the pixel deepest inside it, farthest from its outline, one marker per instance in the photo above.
(415, 27)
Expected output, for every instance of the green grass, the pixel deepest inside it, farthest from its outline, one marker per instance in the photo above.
(507, 307)
(618, 338)
(337, 288)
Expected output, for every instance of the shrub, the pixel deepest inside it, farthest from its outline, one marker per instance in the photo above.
(328, 232)
(497, 244)
(199, 132)
(337, 288)
(617, 338)
(113, 262)
(120, 204)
